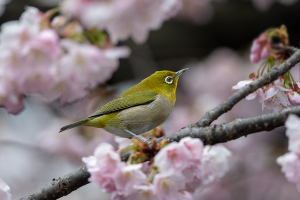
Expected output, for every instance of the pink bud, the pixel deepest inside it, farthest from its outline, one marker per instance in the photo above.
(265, 52)
(254, 58)
(255, 47)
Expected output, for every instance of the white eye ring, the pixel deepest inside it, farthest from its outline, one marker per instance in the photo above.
(169, 80)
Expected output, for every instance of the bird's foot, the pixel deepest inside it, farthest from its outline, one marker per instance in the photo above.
(148, 142)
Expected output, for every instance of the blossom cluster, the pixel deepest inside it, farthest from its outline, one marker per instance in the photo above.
(36, 60)
(290, 161)
(179, 171)
(262, 46)
(123, 19)
(283, 92)
(273, 96)
(4, 191)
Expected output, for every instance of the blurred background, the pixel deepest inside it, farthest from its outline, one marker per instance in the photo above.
(213, 39)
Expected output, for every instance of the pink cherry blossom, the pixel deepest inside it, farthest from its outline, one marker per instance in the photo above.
(10, 97)
(219, 154)
(122, 142)
(168, 183)
(173, 156)
(292, 125)
(276, 98)
(194, 146)
(4, 191)
(265, 52)
(171, 180)
(145, 192)
(254, 58)
(241, 84)
(37, 62)
(121, 20)
(294, 98)
(214, 164)
(273, 97)
(103, 166)
(290, 163)
(85, 66)
(259, 94)
(127, 178)
(111, 174)
(260, 48)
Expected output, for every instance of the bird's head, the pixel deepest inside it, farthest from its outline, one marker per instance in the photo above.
(164, 81)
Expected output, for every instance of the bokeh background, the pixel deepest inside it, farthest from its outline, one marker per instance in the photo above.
(213, 39)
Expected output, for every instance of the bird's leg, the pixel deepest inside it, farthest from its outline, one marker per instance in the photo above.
(140, 138)
(136, 136)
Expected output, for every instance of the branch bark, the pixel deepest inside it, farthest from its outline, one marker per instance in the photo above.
(61, 186)
(267, 78)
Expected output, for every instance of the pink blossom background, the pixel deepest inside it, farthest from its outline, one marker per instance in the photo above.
(32, 152)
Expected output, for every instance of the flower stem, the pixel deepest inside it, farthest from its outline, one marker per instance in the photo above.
(154, 169)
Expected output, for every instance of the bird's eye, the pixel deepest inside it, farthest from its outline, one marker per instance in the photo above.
(169, 80)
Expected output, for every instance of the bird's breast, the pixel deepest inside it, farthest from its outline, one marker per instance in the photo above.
(140, 119)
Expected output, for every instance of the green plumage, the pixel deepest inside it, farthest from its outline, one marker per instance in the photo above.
(139, 109)
(125, 101)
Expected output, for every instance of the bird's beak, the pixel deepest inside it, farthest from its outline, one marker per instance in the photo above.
(180, 72)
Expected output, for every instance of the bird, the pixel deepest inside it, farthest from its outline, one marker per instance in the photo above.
(139, 109)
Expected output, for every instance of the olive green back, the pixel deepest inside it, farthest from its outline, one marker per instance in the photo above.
(142, 93)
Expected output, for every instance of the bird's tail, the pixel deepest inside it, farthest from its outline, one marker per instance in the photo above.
(75, 124)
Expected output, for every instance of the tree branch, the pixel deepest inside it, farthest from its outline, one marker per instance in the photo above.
(267, 78)
(240, 127)
(61, 186)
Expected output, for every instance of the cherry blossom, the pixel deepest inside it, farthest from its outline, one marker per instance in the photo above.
(176, 169)
(10, 98)
(127, 177)
(293, 133)
(4, 191)
(38, 62)
(121, 20)
(260, 48)
(274, 97)
(294, 98)
(168, 183)
(173, 156)
(122, 142)
(290, 161)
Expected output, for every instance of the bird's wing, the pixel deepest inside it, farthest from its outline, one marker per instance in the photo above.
(126, 101)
